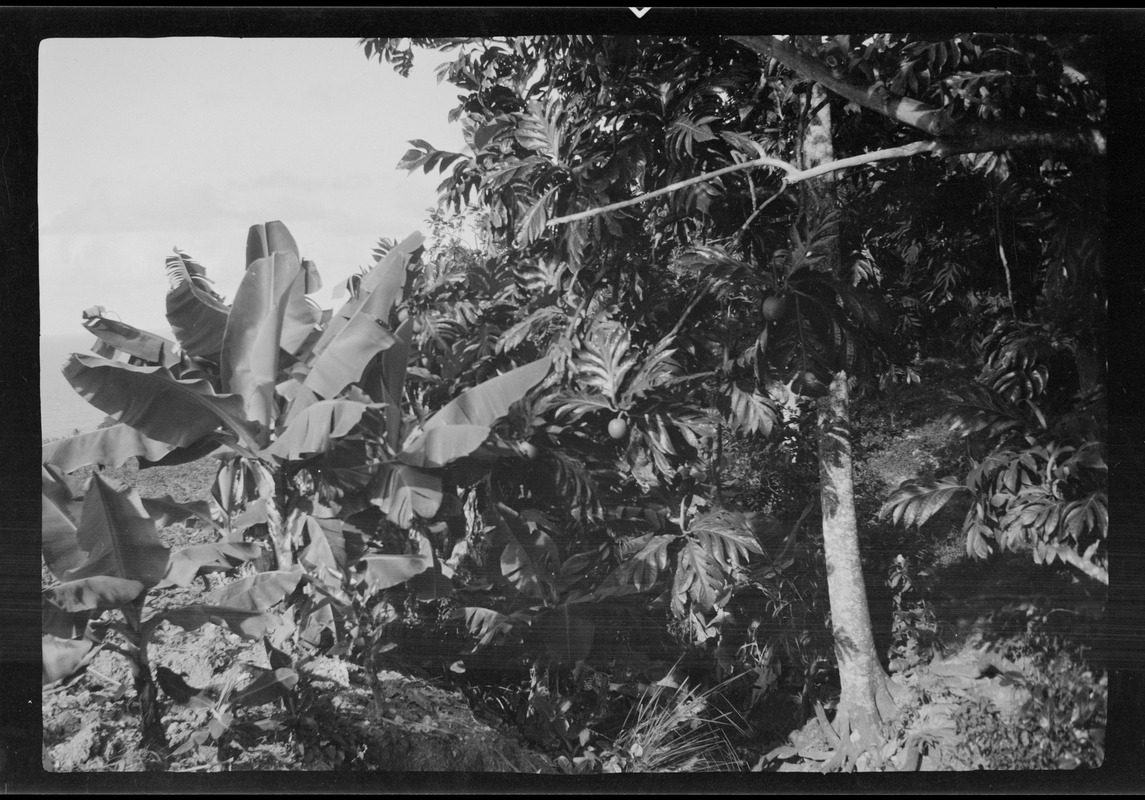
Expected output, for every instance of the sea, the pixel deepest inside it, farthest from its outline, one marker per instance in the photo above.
(62, 411)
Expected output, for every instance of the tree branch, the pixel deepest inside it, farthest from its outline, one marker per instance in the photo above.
(762, 161)
(794, 175)
(976, 137)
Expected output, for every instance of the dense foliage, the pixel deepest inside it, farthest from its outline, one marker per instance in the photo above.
(531, 451)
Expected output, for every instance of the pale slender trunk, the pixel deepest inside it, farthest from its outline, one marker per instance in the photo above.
(865, 700)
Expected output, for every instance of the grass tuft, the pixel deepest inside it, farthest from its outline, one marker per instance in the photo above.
(670, 734)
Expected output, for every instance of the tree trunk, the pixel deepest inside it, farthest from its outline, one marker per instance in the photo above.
(865, 701)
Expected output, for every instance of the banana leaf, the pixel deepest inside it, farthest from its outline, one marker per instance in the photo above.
(64, 624)
(301, 398)
(154, 402)
(268, 238)
(131, 340)
(401, 491)
(167, 510)
(288, 389)
(387, 277)
(488, 402)
(437, 447)
(106, 447)
(257, 592)
(384, 571)
(488, 624)
(301, 315)
(198, 317)
(360, 329)
(95, 593)
(319, 559)
(63, 657)
(61, 514)
(214, 444)
(384, 381)
(529, 557)
(268, 686)
(253, 338)
(395, 361)
(191, 562)
(347, 543)
(346, 356)
(315, 622)
(316, 428)
(59, 486)
(118, 536)
(255, 513)
(68, 607)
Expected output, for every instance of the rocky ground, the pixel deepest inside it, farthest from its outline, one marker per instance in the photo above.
(91, 724)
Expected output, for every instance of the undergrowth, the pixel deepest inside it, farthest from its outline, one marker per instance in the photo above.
(1060, 726)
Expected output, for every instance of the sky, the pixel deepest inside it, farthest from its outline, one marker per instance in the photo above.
(150, 144)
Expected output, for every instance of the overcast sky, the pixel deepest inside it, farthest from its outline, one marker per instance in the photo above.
(151, 144)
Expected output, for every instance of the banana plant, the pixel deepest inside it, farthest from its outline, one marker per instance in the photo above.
(104, 550)
(303, 407)
(271, 379)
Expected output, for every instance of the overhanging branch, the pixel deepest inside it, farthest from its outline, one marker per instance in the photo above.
(792, 174)
(967, 137)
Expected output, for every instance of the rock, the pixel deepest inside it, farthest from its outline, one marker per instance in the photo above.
(332, 670)
(79, 741)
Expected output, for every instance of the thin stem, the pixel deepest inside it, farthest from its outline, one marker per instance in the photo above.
(743, 228)
(688, 310)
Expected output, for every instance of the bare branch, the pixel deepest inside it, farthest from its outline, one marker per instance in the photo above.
(762, 161)
(793, 175)
(974, 137)
(903, 151)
